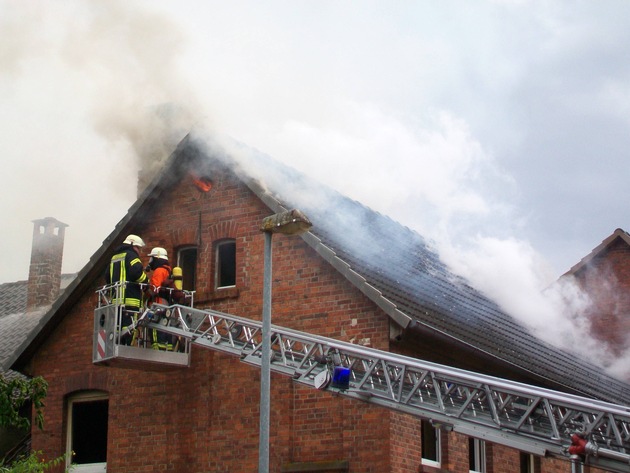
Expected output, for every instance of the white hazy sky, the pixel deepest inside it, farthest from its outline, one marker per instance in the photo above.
(498, 128)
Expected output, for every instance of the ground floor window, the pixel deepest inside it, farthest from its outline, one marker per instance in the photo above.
(529, 463)
(431, 446)
(86, 448)
(476, 455)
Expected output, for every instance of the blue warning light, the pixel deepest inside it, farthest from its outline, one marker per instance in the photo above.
(341, 377)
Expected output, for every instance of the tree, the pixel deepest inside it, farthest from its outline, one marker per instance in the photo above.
(16, 393)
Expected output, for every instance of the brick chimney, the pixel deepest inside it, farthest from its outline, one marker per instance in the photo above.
(44, 277)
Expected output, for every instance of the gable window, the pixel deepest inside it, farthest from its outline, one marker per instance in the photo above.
(476, 455)
(187, 260)
(86, 447)
(431, 445)
(225, 263)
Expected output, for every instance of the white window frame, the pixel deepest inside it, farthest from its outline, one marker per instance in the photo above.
(217, 262)
(479, 456)
(438, 448)
(88, 467)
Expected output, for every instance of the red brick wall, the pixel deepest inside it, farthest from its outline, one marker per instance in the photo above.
(606, 278)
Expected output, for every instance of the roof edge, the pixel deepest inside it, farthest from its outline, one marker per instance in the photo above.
(618, 233)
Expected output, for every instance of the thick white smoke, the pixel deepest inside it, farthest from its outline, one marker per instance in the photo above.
(449, 189)
(92, 93)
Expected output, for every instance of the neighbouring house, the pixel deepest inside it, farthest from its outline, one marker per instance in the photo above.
(604, 274)
(355, 276)
(24, 303)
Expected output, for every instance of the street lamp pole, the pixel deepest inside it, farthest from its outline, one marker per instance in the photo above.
(292, 222)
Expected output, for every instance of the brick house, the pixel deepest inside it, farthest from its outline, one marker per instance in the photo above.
(356, 276)
(604, 274)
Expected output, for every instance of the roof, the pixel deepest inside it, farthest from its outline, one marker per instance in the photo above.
(392, 265)
(618, 234)
(13, 295)
(15, 323)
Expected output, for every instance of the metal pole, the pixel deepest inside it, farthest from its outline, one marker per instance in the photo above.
(265, 363)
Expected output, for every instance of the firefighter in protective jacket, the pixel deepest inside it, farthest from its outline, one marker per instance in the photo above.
(126, 268)
(158, 291)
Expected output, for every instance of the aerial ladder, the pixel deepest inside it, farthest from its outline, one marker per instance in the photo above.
(529, 418)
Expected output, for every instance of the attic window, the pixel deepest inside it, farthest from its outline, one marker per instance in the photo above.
(203, 183)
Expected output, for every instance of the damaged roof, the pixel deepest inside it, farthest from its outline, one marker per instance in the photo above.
(392, 265)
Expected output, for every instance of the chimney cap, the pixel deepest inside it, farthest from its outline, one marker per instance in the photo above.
(49, 220)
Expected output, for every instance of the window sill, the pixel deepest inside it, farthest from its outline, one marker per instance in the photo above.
(327, 466)
(429, 468)
(216, 295)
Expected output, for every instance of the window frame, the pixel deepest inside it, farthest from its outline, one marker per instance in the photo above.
(219, 263)
(477, 455)
(189, 280)
(84, 396)
(426, 426)
(527, 462)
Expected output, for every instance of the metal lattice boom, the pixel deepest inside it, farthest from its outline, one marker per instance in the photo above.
(529, 418)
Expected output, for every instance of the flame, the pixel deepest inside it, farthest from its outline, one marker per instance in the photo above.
(203, 183)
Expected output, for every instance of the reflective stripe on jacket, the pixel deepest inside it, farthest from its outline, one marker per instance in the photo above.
(125, 266)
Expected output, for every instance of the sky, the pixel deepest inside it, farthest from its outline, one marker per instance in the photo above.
(496, 128)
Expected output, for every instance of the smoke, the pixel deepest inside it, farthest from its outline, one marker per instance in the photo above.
(130, 56)
(121, 60)
(92, 93)
(452, 192)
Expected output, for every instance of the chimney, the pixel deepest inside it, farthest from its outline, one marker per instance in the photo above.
(44, 277)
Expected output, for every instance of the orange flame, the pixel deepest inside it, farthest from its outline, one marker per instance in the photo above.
(204, 184)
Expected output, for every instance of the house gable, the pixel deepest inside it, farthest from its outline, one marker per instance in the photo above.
(604, 274)
(212, 406)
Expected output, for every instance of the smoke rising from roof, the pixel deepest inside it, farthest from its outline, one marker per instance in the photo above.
(93, 93)
(508, 270)
(453, 137)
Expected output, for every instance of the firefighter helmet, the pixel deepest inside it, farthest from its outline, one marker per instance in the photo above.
(134, 240)
(159, 253)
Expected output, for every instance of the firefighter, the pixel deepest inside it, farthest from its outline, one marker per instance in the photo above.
(126, 268)
(158, 291)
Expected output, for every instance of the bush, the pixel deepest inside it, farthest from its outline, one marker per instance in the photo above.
(32, 464)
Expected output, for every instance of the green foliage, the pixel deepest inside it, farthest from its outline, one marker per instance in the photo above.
(15, 393)
(32, 464)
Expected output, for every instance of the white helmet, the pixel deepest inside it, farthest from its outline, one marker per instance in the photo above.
(134, 240)
(159, 253)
